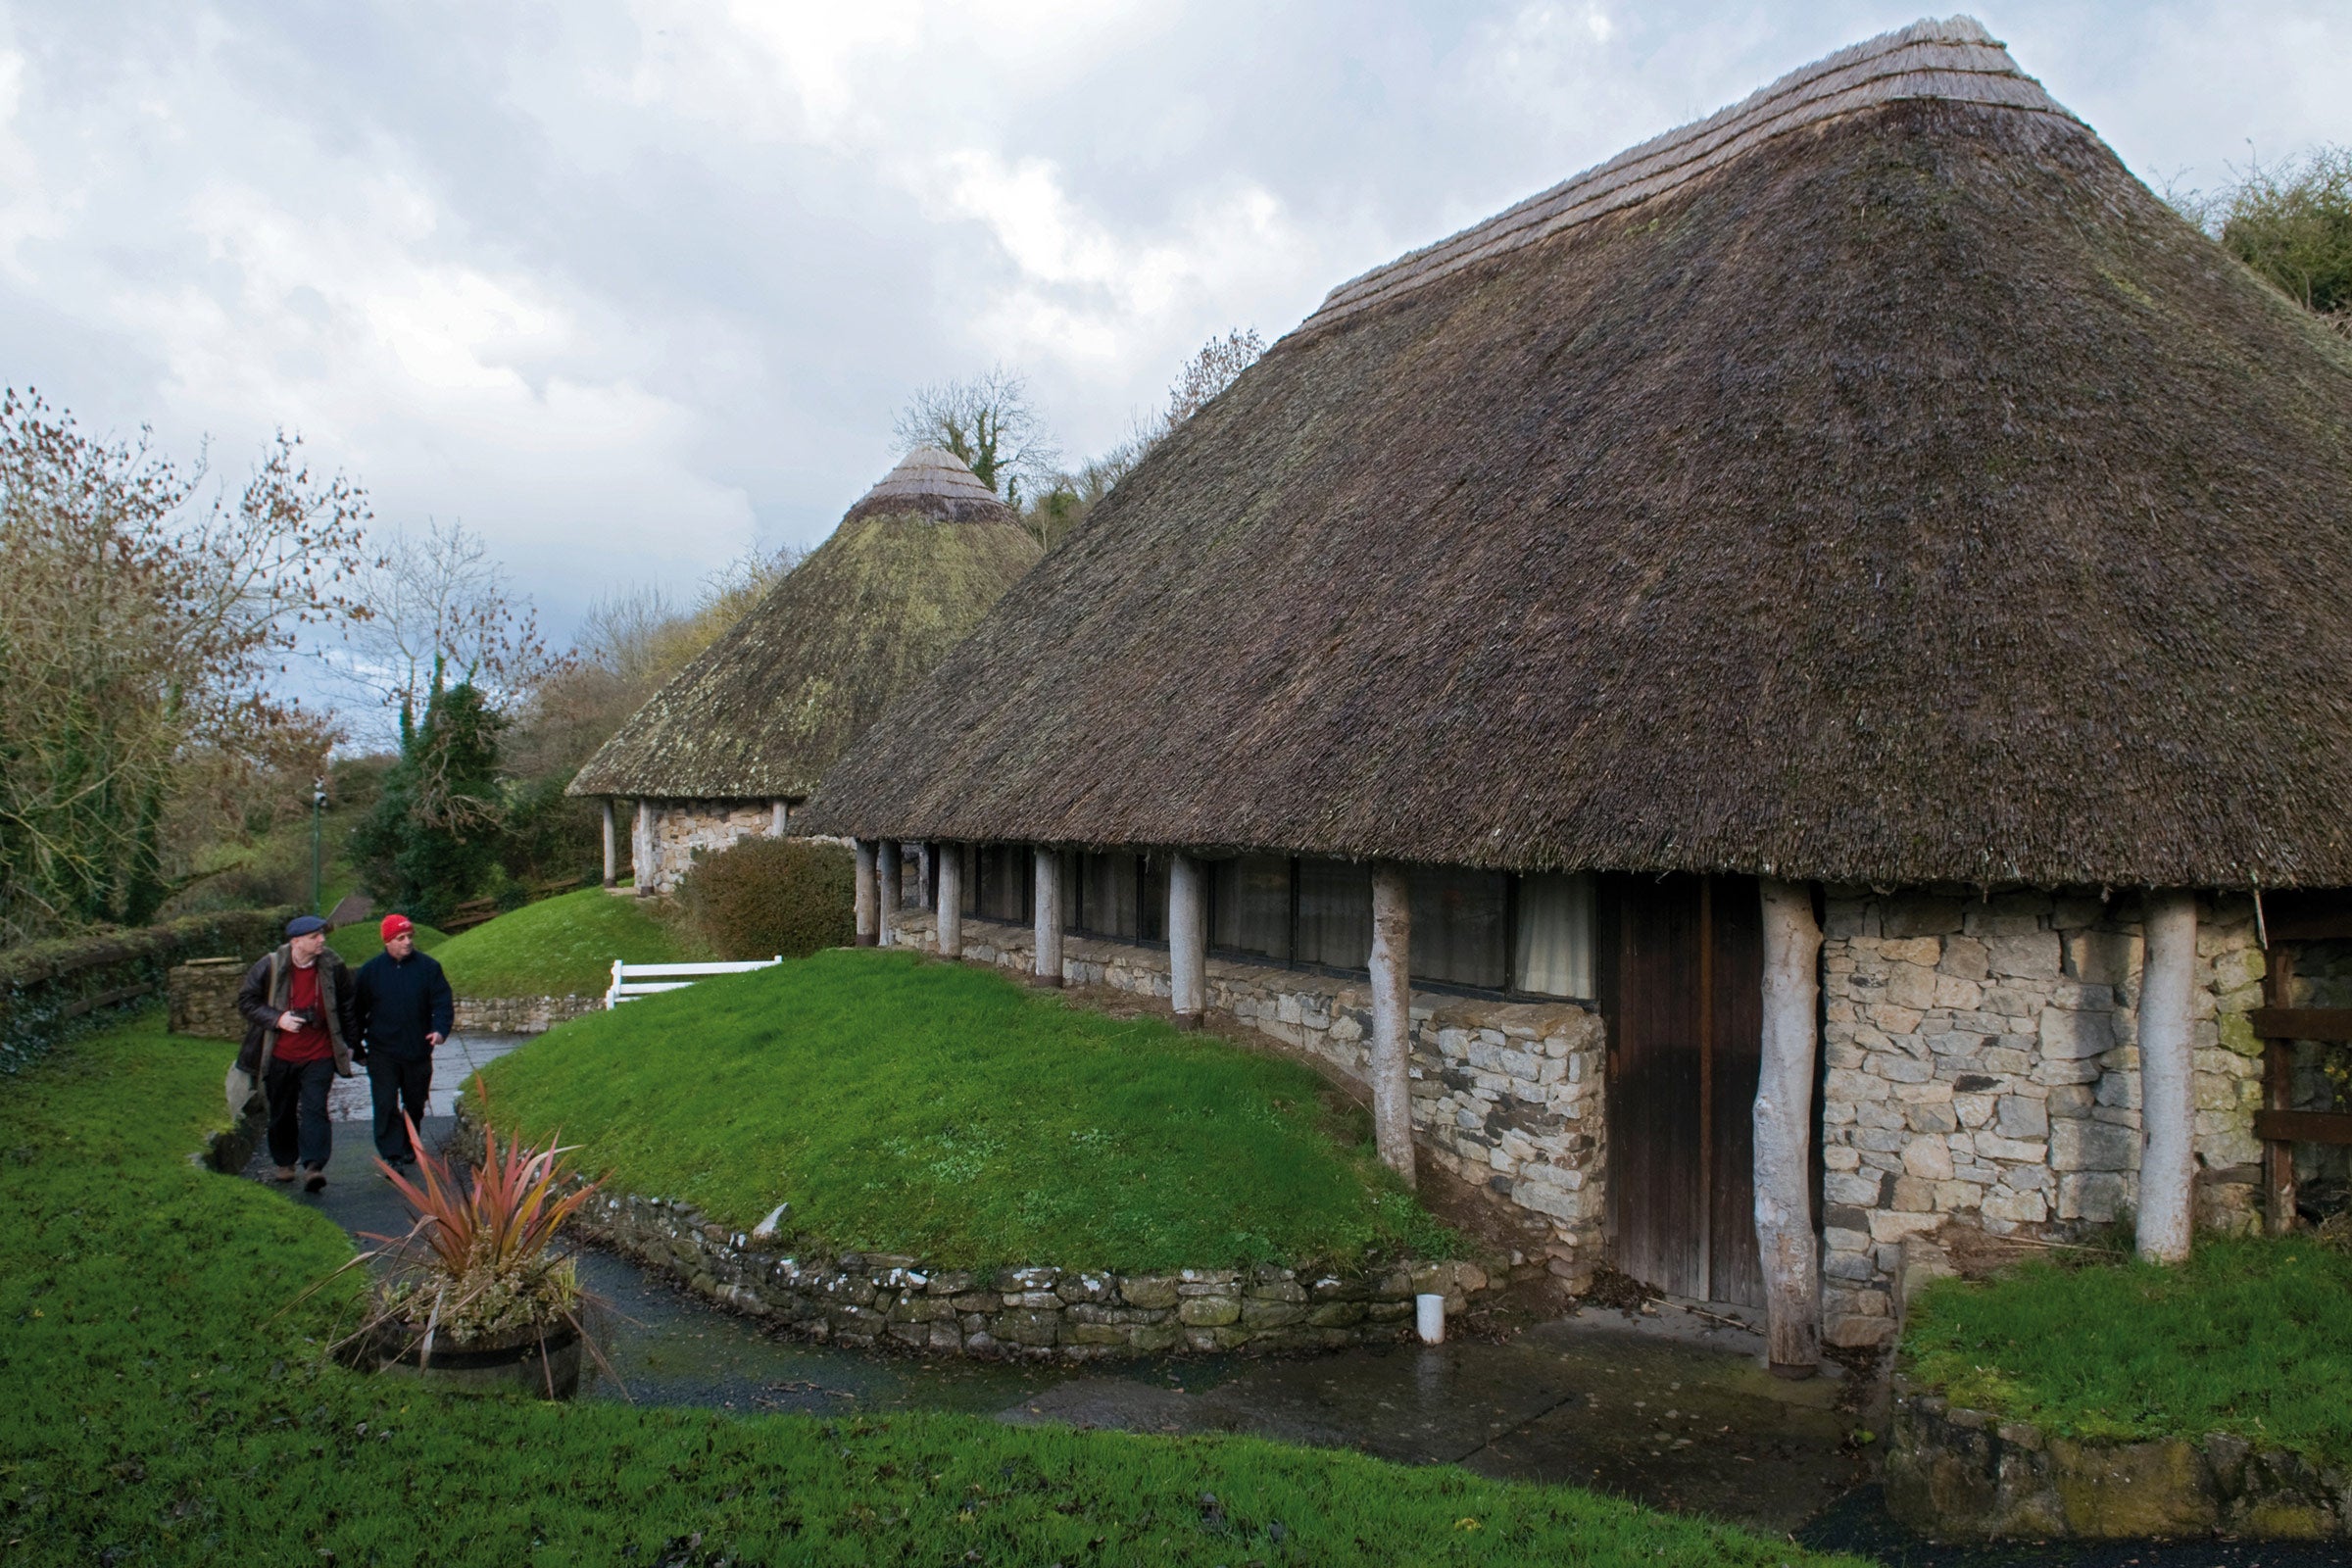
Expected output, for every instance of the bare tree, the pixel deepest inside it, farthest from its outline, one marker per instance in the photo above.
(988, 422)
(1219, 364)
(439, 602)
(2290, 223)
(146, 611)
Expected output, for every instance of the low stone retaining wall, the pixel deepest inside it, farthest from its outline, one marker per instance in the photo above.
(202, 998)
(521, 1015)
(1046, 1314)
(1963, 1472)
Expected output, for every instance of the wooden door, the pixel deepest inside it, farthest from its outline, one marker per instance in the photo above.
(1680, 989)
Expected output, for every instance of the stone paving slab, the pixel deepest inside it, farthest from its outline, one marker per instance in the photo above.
(458, 1059)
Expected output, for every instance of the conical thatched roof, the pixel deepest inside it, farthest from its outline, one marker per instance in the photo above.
(764, 711)
(1873, 482)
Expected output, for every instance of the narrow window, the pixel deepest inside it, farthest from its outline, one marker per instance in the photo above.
(1458, 926)
(1334, 914)
(1554, 956)
(1252, 905)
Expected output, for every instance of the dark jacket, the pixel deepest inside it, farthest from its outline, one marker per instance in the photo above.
(263, 996)
(399, 1001)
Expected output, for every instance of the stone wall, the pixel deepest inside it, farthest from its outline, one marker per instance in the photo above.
(521, 1015)
(202, 998)
(680, 828)
(1051, 1314)
(1960, 1473)
(1981, 1067)
(1505, 1095)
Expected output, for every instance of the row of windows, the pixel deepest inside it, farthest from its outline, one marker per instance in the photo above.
(1485, 929)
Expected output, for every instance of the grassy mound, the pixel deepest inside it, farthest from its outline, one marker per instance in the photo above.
(2250, 1336)
(945, 1111)
(560, 947)
(364, 941)
(158, 1412)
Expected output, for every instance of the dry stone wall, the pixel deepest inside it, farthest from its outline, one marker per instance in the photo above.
(202, 998)
(1981, 1067)
(521, 1015)
(873, 1298)
(1507, 1096)
(681, 828)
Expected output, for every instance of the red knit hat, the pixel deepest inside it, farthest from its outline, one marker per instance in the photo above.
(396, 925)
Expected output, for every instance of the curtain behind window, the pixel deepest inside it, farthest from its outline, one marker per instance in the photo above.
(1253, 905)
(1334, 914)
(1457, 934)
(1106, 902)
(1556, 934)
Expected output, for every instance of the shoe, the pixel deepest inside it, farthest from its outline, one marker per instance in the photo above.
(283, 1173)
(315, 1182)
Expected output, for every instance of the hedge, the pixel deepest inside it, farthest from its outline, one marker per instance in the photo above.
(51, 990)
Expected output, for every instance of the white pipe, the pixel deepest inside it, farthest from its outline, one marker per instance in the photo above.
(2168, 1161)
(1429, 1317)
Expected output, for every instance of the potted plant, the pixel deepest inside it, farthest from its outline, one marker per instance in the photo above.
(478, 1295)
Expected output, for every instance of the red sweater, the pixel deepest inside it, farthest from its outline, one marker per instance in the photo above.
(310, 1043)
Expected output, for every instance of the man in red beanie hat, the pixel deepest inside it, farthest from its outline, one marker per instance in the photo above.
(406, 1008)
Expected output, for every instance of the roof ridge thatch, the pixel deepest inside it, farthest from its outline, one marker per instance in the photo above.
(932, 482)
(1954, 59)
(762, 711)
(1913, 498)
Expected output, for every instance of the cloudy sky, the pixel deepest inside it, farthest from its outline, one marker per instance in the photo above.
(632, 287)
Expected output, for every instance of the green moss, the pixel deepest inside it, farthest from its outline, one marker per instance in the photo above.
(948, 1112)
(166, 1403)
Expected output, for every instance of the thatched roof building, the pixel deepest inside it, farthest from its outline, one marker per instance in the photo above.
(1873, 485)
(755, 720)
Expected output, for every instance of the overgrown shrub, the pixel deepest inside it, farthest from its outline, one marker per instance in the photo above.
(52, 989)
(764, 897)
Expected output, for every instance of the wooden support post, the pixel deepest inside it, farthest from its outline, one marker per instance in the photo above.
(951, 900)
(1049, 917)
(778, 814)
(612, 857)
(868, 896)
(644, 857)
(891, 883)
(1188, 941)
(1784, 1130)
(2167, 1164)
(1393, 1021)
(2279, 1094)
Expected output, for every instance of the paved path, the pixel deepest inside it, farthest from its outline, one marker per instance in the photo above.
(458, 1059)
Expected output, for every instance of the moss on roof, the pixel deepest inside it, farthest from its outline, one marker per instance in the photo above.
(764, 711)
(1905, 495)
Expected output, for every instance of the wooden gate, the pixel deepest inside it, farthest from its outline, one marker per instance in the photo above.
(1680, 988)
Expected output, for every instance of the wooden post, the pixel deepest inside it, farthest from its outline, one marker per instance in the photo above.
(644, 857)
(951, 900)
(612, 858)
(2168, 1163)
(891, 883)
(1393, 1021)
(778, 814)
(2279, 1094)
(1783, 1129)
(1188, 941)
(868, 897)
(1049, 917)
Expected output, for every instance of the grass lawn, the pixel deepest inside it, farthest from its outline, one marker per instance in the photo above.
(945, 1111)
(558, 947)
(2251, 1336)
(154, 1410)
(364, 941)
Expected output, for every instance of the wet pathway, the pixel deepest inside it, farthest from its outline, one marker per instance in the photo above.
(1667, 1409)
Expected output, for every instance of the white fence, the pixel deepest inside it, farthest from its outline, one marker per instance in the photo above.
(633, 980)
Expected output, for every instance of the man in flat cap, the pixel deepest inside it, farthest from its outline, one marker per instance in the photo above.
(406, 1010)
(298, 1026)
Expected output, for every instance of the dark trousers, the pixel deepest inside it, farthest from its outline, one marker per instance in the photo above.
(298, 1124)
(397, 1083)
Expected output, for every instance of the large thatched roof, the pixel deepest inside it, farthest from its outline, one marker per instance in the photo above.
(765, 709)
(1873, 482)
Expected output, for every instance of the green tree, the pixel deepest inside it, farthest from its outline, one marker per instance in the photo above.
(2291, 222)
(433, 839)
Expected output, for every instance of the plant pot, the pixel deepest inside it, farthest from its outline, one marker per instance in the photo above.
(543, 1362)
